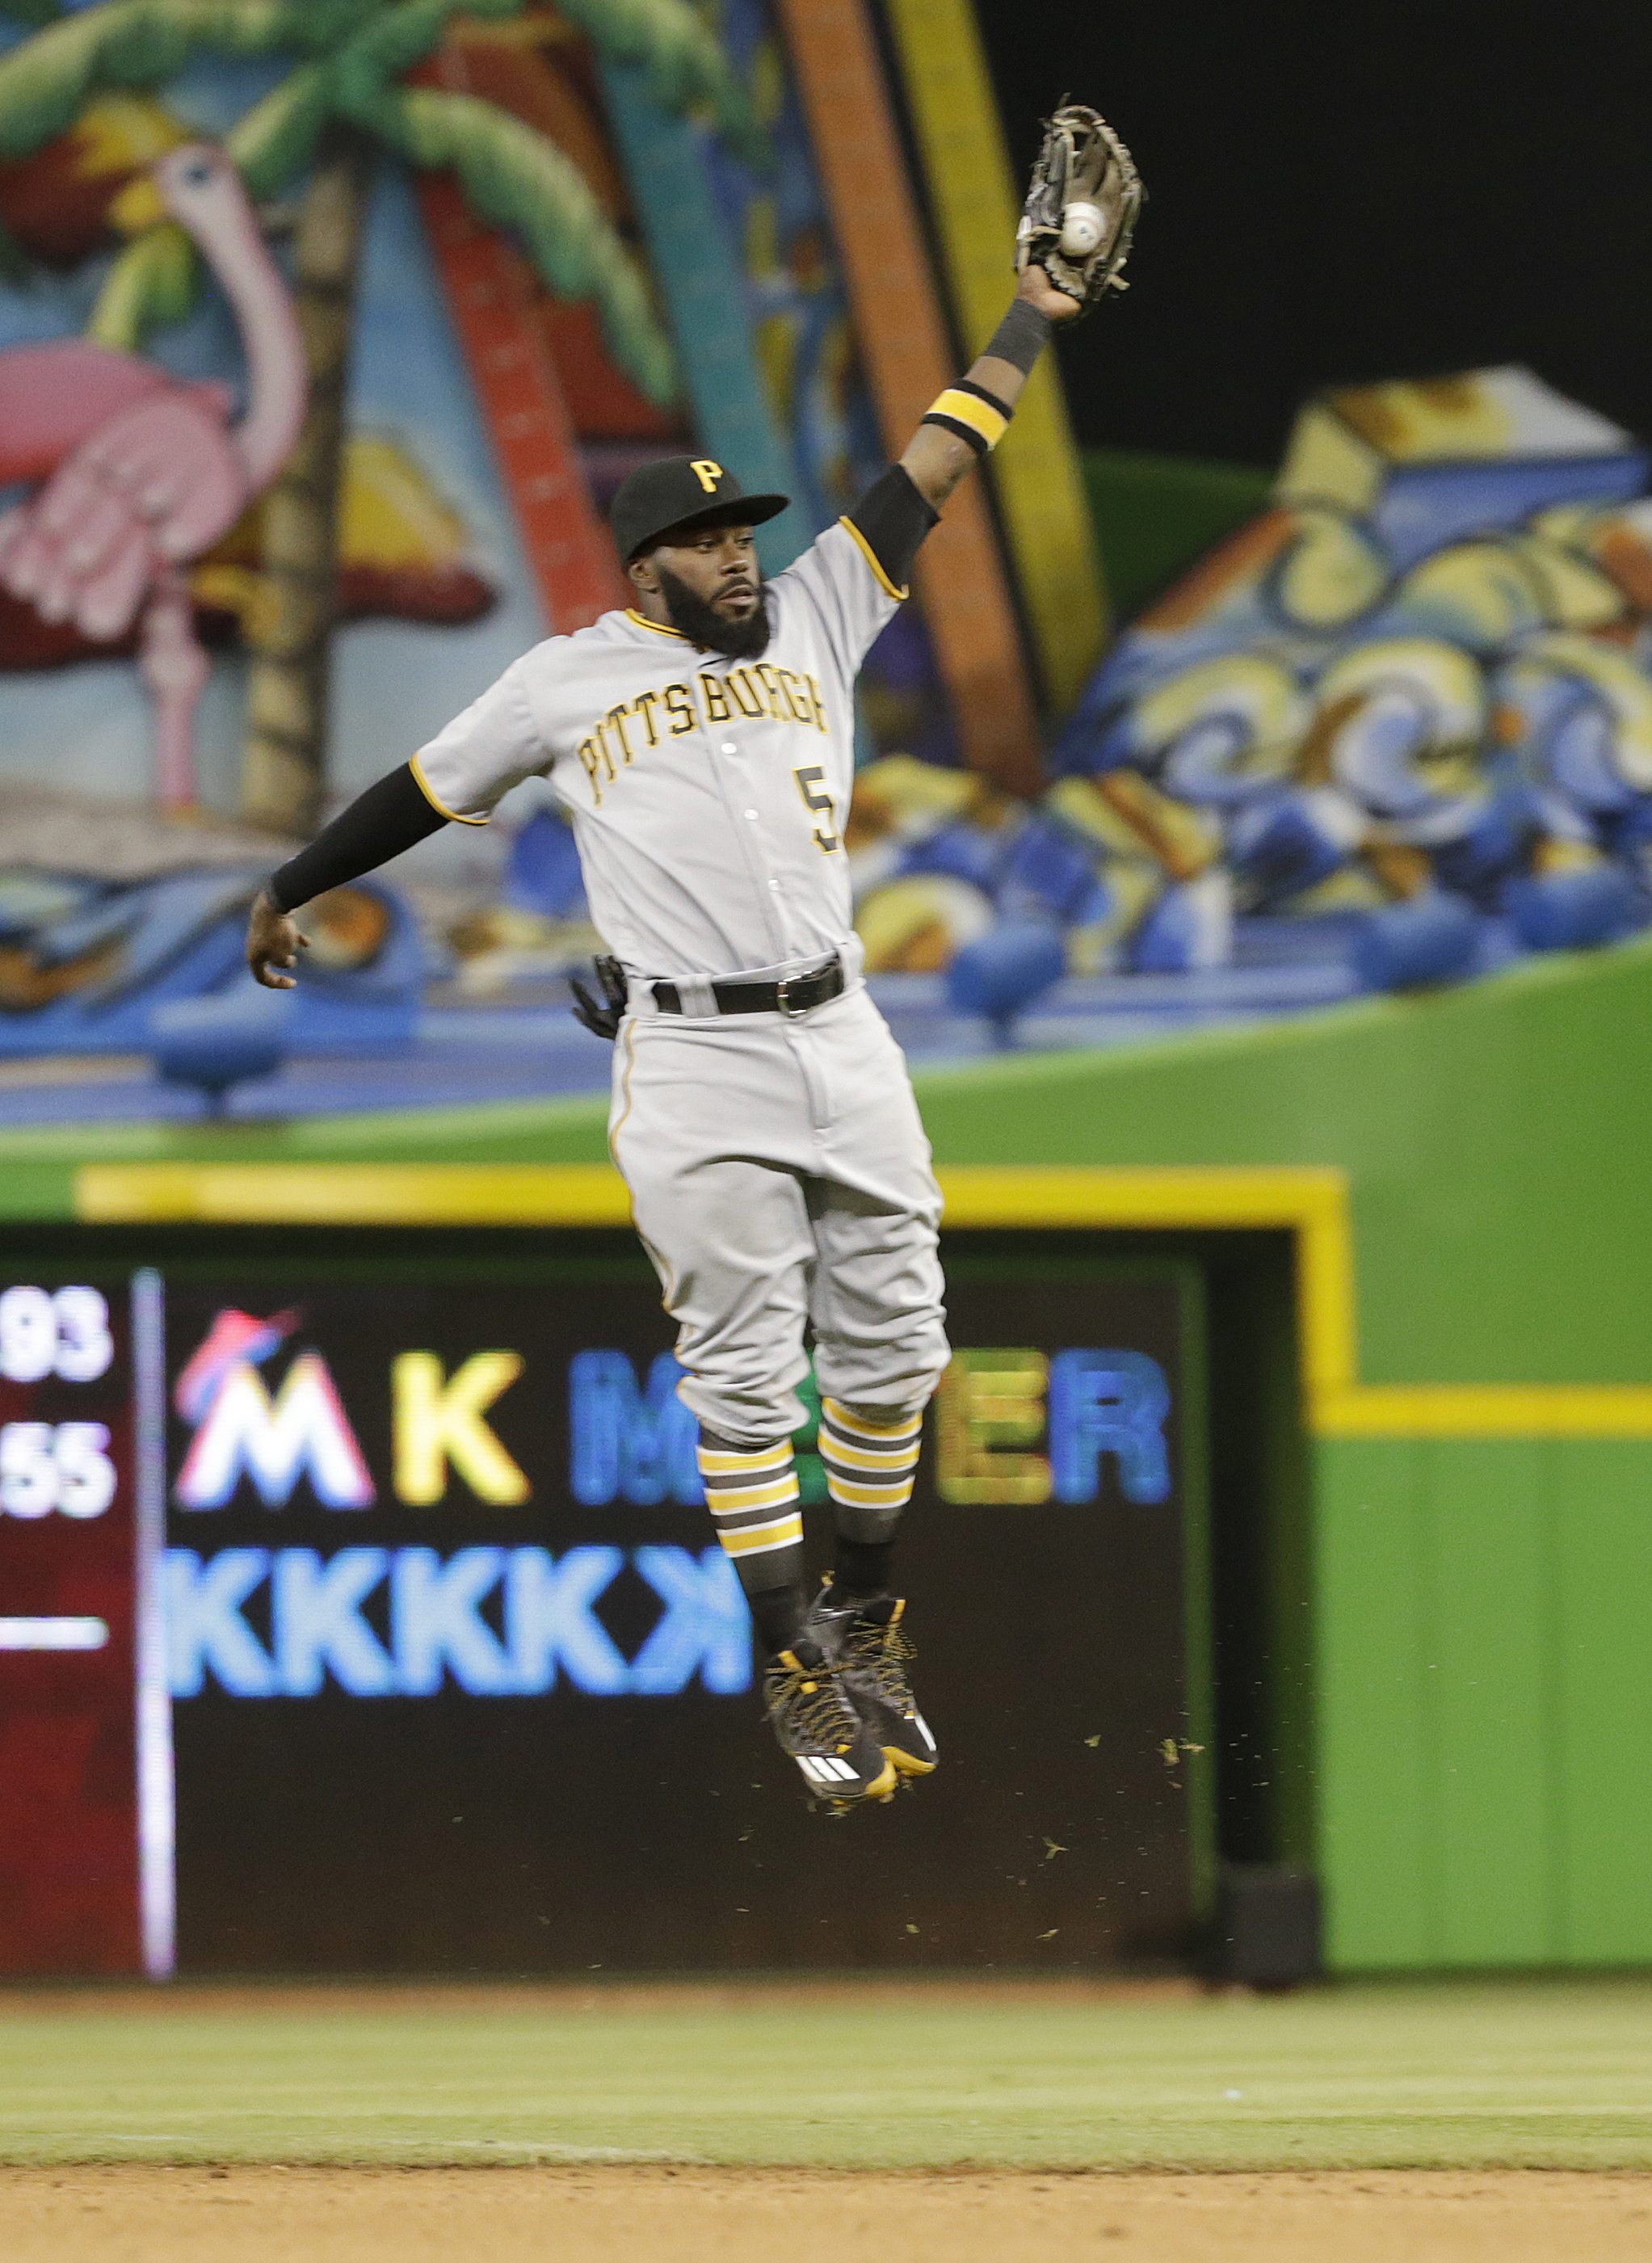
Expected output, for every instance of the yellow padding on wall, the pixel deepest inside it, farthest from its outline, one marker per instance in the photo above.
(1310, 1200)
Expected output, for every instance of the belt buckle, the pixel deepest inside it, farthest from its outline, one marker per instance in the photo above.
(783, 1000)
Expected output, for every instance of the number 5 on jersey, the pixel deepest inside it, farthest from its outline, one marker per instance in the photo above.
(811, 786)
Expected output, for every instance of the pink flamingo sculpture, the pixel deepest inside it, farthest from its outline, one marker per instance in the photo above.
(141, 472)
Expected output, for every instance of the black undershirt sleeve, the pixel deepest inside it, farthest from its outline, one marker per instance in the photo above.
(378, 825)
(892, 518)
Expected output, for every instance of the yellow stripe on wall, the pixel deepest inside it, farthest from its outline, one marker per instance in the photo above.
(1486, 1410)
(1310, 1201)
(1036, 471)
(352, 1194)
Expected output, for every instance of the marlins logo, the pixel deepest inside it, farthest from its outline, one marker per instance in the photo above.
(242, 1431)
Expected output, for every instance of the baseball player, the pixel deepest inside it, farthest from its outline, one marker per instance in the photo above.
(702, 741)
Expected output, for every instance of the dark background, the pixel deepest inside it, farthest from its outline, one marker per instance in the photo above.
(264, 1849)
(1339, 194)
(569, 1832)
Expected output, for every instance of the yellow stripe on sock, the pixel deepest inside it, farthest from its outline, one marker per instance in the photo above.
(716, 1465)
(866, 1496)
(726, 1502)
(863, 1457)
(841, 1419)
(755, 1539)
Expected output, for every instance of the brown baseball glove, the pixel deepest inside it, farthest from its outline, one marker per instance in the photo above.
(1080, 210)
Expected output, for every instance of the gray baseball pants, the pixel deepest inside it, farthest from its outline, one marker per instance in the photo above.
(779, 1174)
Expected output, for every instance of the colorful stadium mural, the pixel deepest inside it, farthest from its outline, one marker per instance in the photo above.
(1395, 731)
(326, 333)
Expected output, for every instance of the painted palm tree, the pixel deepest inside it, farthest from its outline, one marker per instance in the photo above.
(343, 96)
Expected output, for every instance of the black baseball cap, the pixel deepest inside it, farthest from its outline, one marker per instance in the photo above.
(683, 490)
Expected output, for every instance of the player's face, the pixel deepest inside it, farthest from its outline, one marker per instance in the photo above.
(705, 582)
(718, 565)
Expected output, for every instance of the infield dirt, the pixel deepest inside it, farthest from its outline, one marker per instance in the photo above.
(139, 2215)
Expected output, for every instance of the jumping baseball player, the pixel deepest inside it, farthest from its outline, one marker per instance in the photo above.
(702, 742)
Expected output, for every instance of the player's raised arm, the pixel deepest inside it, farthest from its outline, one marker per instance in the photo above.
(1073, 239)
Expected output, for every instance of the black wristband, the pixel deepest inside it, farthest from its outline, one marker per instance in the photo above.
(1020, 337)
(378, 824)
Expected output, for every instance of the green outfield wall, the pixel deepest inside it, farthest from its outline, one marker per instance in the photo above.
(1482, 1607)
(1486, 1700)
(1480, 1657)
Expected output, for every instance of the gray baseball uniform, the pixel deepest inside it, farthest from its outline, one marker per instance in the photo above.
(778, 1166)
(762, 1114)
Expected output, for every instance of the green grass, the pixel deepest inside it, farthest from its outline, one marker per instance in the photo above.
(1475, 2075)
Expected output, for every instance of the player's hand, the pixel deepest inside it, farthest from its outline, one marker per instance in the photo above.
(272, 941)
(604, 1017)
(1034, 286)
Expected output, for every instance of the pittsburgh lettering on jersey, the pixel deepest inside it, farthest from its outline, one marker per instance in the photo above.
(760, 693)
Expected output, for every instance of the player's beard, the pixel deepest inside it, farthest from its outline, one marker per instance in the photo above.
(698, 620)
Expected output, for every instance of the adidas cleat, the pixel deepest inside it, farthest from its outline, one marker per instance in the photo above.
(813, 1719)
(867, 1640)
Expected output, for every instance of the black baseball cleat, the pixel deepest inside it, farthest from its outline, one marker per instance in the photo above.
(865, 1635)
(815, 1720)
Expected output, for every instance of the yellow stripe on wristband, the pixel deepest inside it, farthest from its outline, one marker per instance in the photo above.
(968, 408)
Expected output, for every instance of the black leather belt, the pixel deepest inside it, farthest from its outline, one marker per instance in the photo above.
(800, 995)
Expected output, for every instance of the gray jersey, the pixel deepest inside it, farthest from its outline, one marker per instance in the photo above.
(707, 795)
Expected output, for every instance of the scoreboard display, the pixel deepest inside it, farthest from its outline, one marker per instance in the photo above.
(85, 1856)
(359, 1610)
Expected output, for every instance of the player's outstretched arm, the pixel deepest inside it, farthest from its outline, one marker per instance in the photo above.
(379, 824)
(893, 517)
(937, 454)
(1070, 245)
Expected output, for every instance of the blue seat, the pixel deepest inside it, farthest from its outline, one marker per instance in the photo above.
(1002, 972)
(218, 1042)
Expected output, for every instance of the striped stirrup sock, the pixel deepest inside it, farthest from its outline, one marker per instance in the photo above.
(869, 1468)
(752, 1494)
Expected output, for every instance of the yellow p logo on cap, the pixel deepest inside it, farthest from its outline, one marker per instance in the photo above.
(708, 474)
